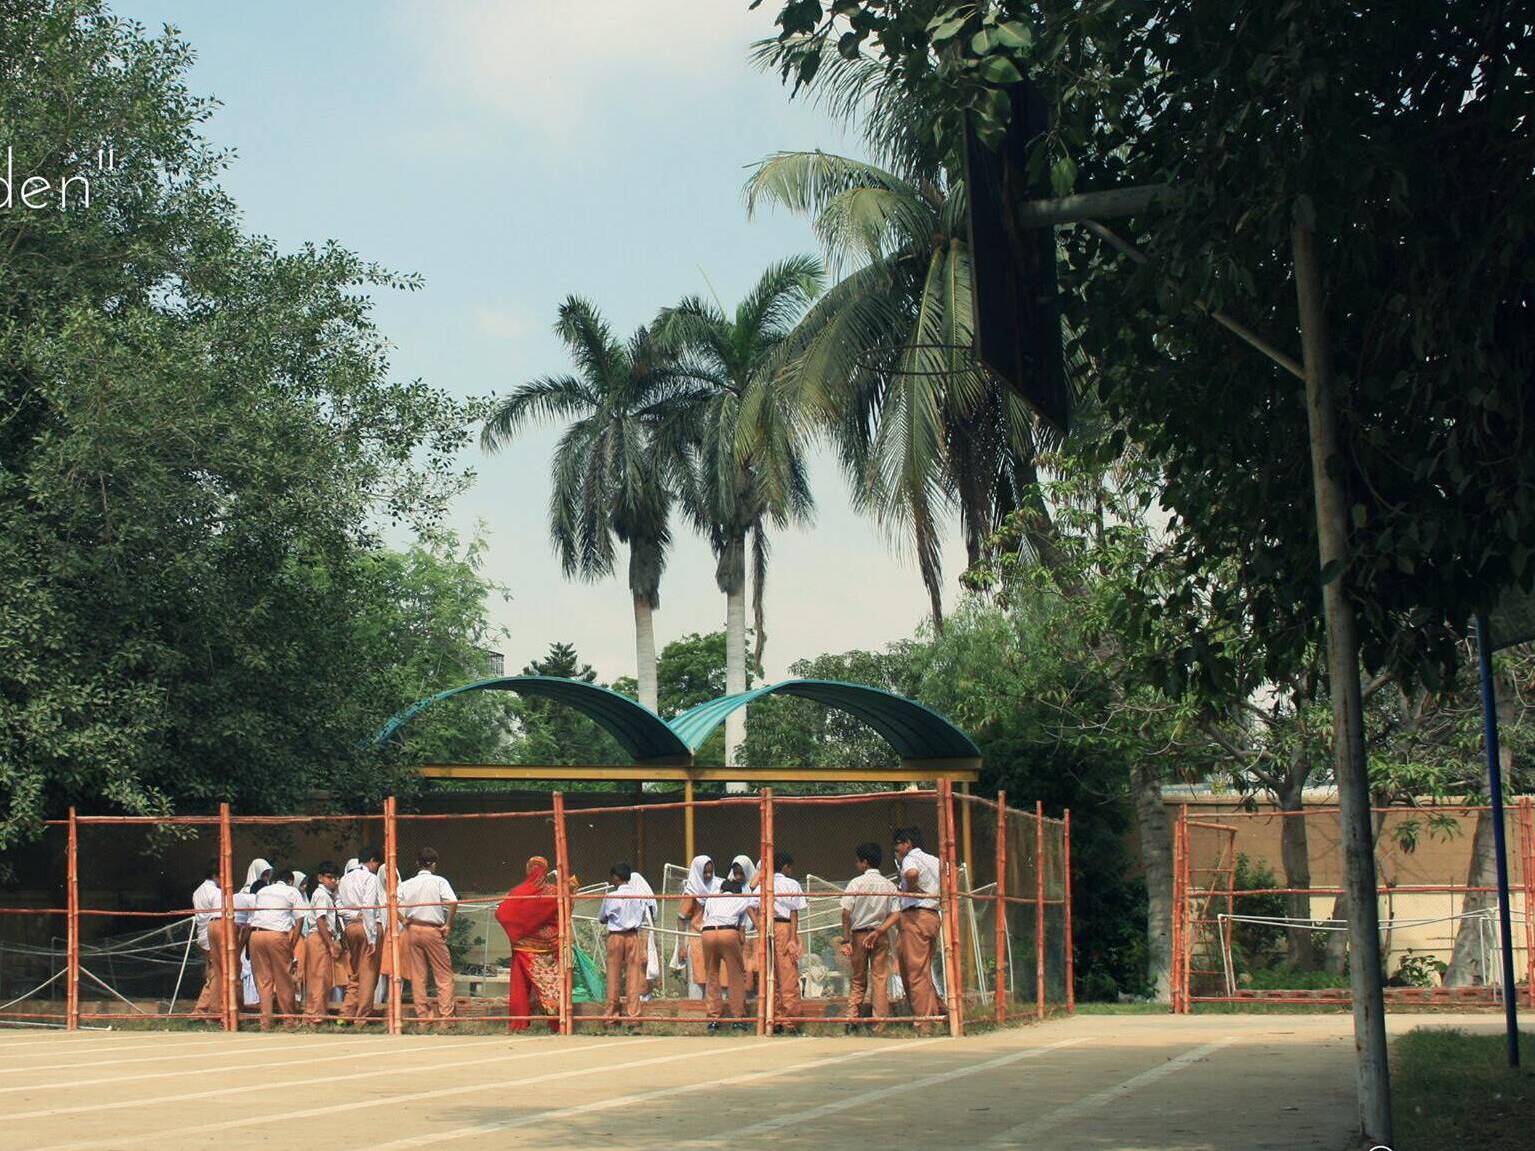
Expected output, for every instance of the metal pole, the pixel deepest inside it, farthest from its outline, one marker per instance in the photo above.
(957, 1008)
(567, 957)
(1527, 837)
(1071, 963)
(687, 820)
(1500, 845)
(1000, 980)
(392, 915)
(967, 962)
(72, 927)
(1176, 975)
(1039, 908)
(229, 994)
(1350, 771)
(947, 900)
(767, 972)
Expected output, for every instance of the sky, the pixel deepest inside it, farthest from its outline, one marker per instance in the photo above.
(512, 154)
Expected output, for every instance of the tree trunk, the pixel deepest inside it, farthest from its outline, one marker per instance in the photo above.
(1156, 836)
(1295, 853)
(732, 580)
(1372, 1071)
(645, 652)
(1466, 967)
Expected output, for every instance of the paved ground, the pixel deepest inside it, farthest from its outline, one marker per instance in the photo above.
(1104, 1083)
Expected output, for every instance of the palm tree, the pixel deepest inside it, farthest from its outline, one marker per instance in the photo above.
(882, 360)
(610, 480)
(730, 492)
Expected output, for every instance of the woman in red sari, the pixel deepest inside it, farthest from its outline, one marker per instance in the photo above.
(530, 916)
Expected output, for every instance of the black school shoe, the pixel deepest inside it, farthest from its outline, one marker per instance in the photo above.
(713, 1027)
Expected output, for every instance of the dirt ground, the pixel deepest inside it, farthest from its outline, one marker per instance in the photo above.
(1107, 1083)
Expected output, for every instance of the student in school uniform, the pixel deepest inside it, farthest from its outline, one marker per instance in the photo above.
(919, 924)
(274, 931)
(623, 913)
(208, 906)
(257, 876)
(360, 911)
(321, 945)
(744, 872)
(726, 916)
(427, 906)
(788, 901)
(701, 882)
(869, 901)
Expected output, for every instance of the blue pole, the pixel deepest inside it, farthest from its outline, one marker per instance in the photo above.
(1500, 846)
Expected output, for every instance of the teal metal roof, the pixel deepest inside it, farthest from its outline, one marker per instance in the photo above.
(641, 732)
(915, 731)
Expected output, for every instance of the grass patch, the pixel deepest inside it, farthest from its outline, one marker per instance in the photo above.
(1450, 1089)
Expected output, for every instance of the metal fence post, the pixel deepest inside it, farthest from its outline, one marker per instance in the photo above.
(566, 942)
(1071, 961)
(392, 915)
(229, 994)
(767, 958)
(1039, 908)
(72, 927)
(1000, 991)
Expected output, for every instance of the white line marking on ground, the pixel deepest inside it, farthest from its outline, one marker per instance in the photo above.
(248, 1045)
(378, 1049)
(545, 1047)
(1027, 1134)
(169, 1038)
(330, 1109)
(493, 1126)
(790, 1119)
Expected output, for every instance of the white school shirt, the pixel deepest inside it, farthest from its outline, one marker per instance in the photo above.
(244, 902)
(726, 910)
(868, 898)
(208, 903)
(927, 879)
(621, 914)
(322, 905)
(430, 890)
(788, 896)
(277, 906)
(360, 897)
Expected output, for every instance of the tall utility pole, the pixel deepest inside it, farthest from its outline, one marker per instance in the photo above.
(1371, 1069)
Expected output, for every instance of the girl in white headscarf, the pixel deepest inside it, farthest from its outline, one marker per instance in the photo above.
(256, 875)
(744, 870)
(701, 881)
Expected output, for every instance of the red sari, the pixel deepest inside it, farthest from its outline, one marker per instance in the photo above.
(529, 916)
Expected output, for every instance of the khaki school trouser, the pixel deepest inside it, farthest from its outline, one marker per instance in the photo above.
(626, 972)
(914, 952)
(786, 998)
(319, 977)
(211, 1001)
(362, 983)
(723, 945)
(271, 954)
(427, 952)
(871, 966)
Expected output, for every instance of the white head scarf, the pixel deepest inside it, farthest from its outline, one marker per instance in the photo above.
(353, 864)
(696, 884)
(298, 879)
(748, 869)
(255, 871)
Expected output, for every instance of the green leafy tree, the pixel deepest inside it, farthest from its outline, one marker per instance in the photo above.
(738, 481)
(546, 732)
(199, 444)
(609, 475)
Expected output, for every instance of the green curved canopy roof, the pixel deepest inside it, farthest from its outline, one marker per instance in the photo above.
(915, 731)
(641, 732)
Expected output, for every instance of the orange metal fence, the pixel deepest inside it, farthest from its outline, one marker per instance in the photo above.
(131, 949)
(1257, 915)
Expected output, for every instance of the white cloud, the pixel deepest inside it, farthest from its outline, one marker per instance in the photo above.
(556, 66)
(502, 321)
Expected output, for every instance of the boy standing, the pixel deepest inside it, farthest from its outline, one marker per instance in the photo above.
(208, 903)
(427, 907)
(623, 912)
(360, 911)
(321, 946)
(869, 902)
(274, 929)
(788, 901)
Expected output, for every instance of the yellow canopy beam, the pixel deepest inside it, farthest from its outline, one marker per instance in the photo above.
(910, 771)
